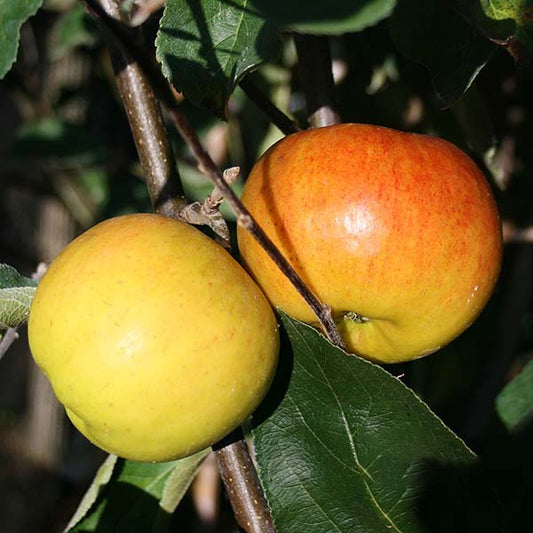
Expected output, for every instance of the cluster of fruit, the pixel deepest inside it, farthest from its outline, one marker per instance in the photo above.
(159, 343)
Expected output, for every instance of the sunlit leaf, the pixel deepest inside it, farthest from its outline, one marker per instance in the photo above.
(205, 48)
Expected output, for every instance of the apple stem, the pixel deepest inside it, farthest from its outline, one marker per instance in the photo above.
(284, 123)
(316, 77)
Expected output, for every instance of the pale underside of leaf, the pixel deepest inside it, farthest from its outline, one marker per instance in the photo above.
(103, 475)
(15, 306)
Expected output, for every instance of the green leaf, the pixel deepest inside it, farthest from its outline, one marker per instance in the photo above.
(434, 34)
(514, 404)
(101, 479)
(342, 445)
(205, 48)
(333, 17)
(16, 295)
(139, 497)
(13, 13)
(509, 22)
(179, 481)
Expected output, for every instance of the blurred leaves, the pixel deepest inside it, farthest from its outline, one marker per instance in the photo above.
(474, 118)
(55, 138)
(334, 17)
(343, 445)
(206, 47)
(137, 497)
(16, 295)
(75, 28)
(514, 404)
(12, 15)
(434, 34)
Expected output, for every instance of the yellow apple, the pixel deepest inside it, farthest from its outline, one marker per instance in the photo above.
(398, 233)
(154, 338)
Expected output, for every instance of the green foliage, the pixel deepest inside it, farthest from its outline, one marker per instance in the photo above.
(334, 17)
(75, 28)
(16, 294)
(131, 497)
(206, 47)
(101, 479)
(435, 35)
(56, 138)
(343, 445)
(514, 404)
(506, 21)
(12, 16)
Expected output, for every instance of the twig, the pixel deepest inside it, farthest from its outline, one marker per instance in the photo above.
(146, 123)
(10, 336)
(285, 124)
(316, 75)
(239, 476)
(144, 9)
(163, 90)
(244, 491)
(245, 220)
(208, 213)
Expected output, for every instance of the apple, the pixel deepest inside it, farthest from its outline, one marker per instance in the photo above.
(154, 338)
(398, 233)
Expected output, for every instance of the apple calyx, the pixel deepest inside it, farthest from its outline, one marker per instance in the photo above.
(354, 317)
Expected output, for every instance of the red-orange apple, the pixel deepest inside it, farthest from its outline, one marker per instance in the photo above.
(399, 233)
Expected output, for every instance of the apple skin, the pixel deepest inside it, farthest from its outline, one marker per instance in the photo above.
(154, 338)
(400, 229)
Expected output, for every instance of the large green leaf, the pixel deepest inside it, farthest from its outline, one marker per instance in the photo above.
(333, 17)
(13, 13)
(16, 295)
(138, 497)
(342, 445)
(206, 47)
(434, 34)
